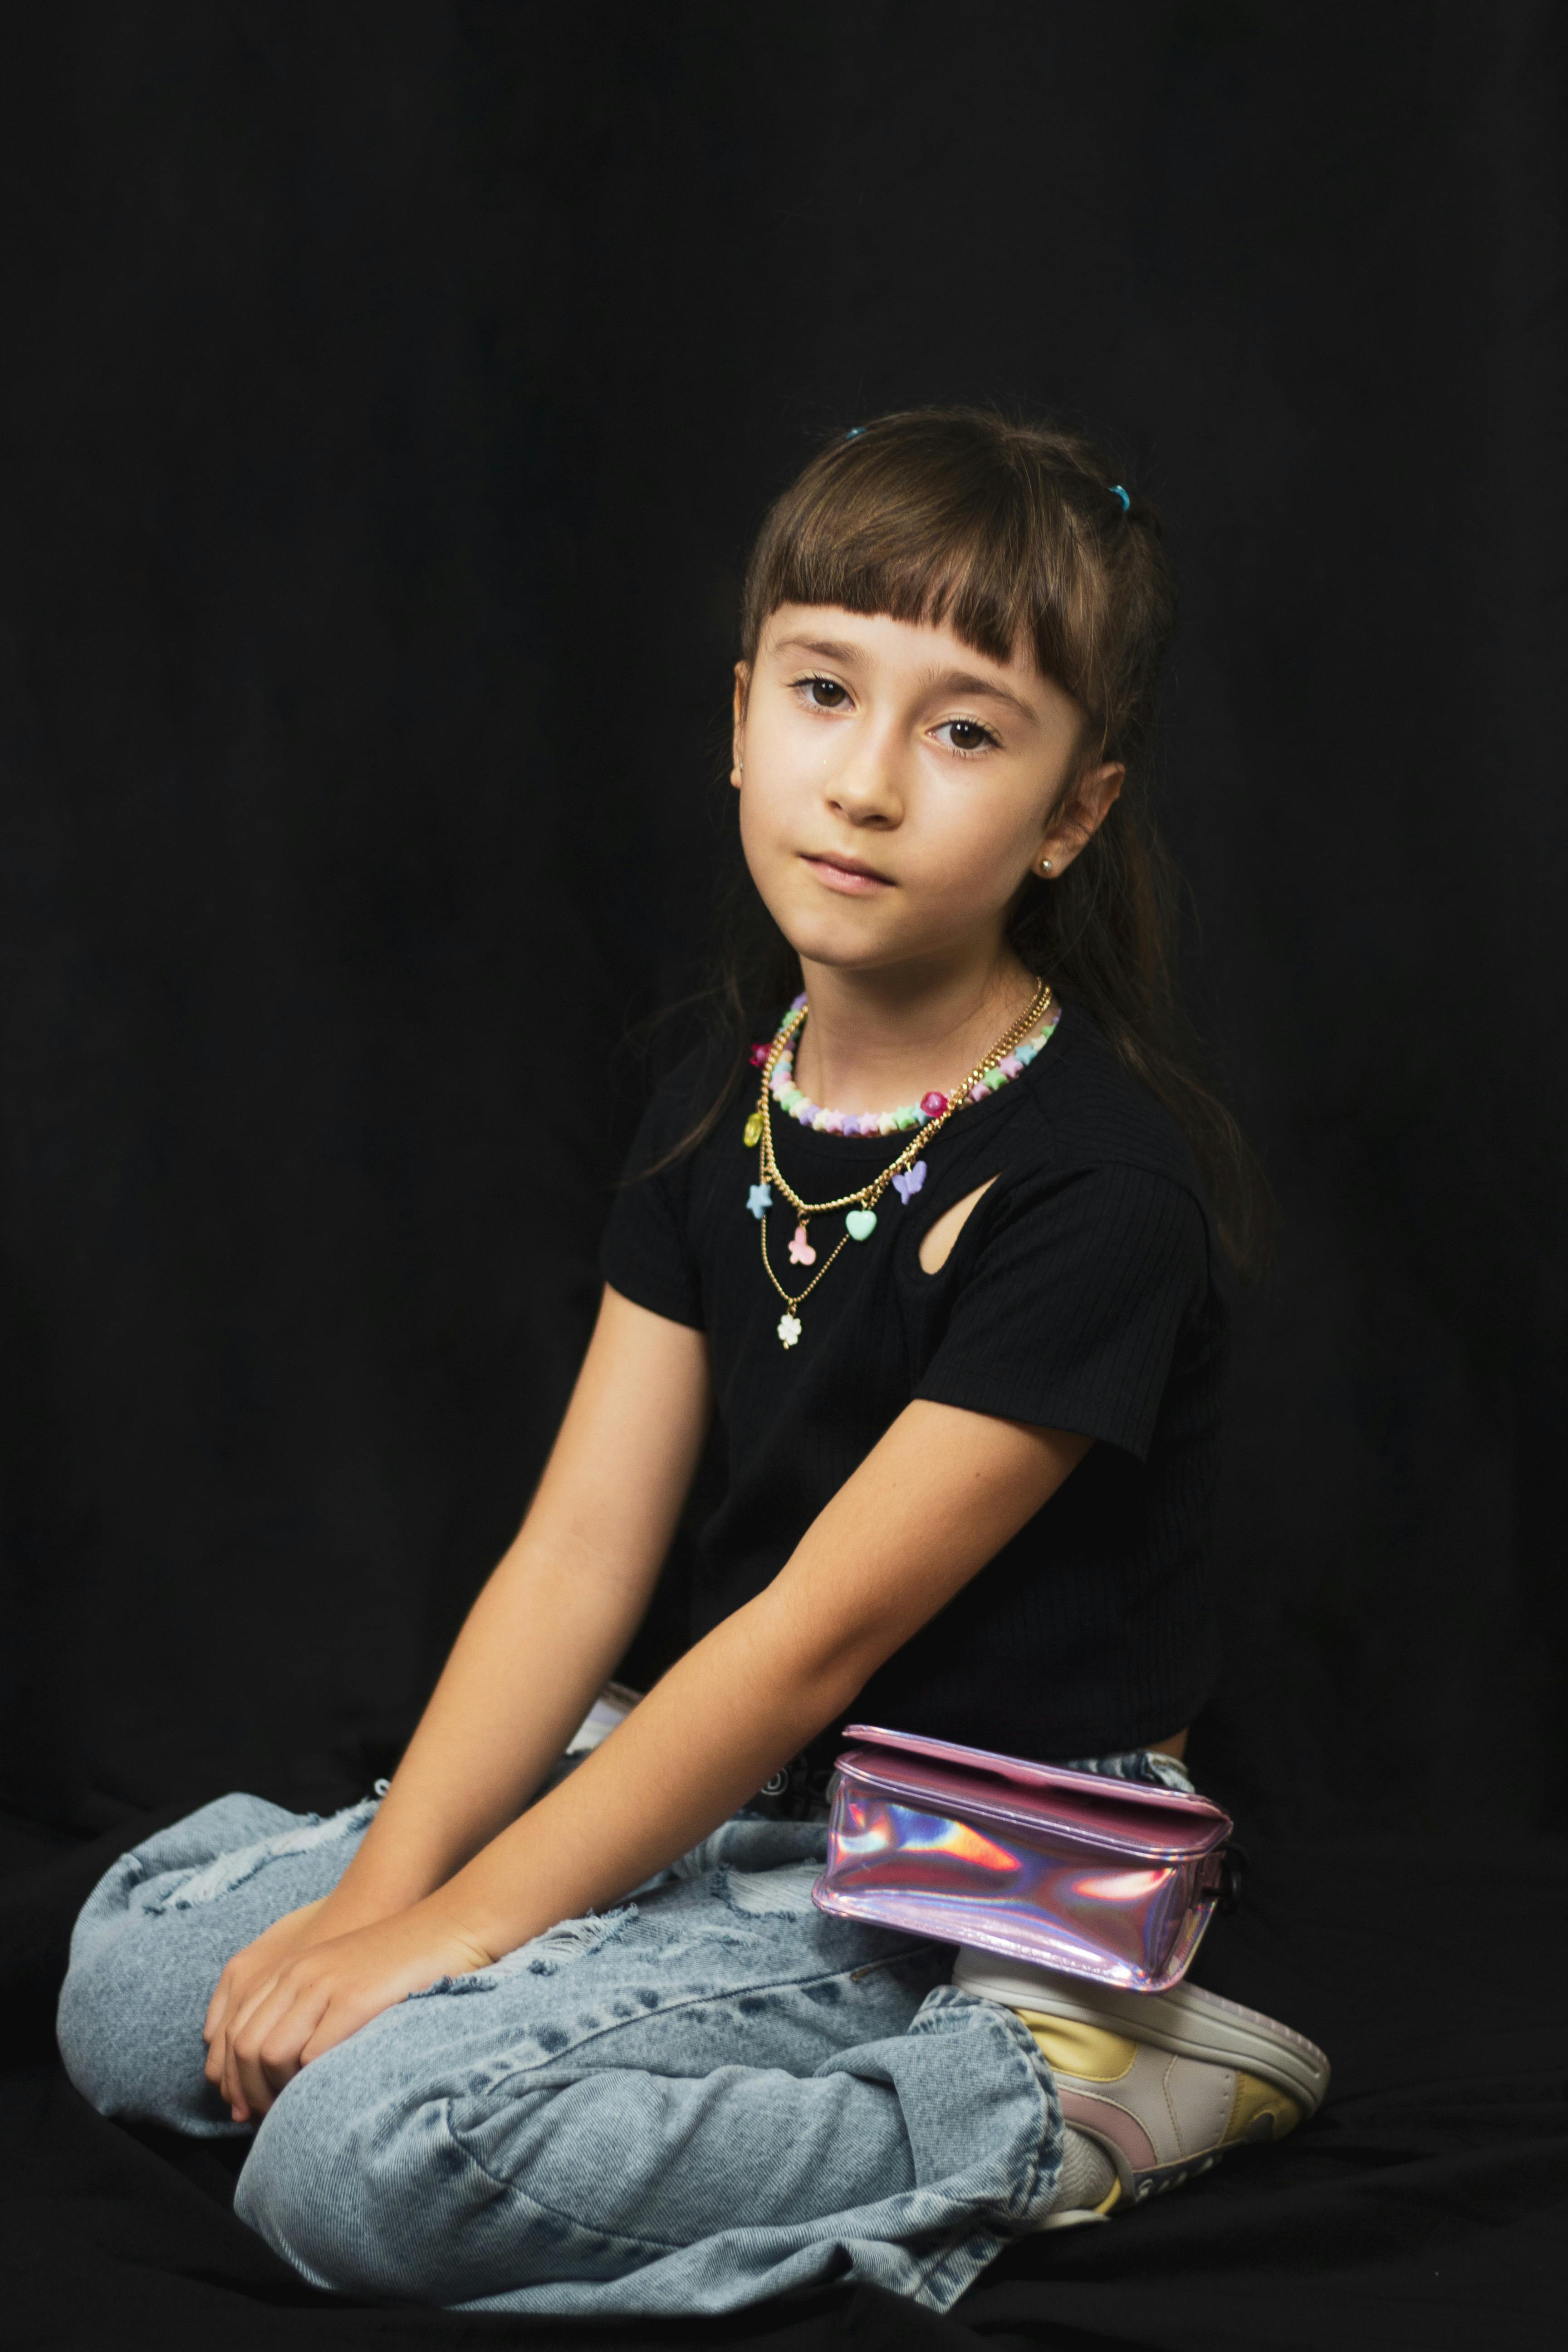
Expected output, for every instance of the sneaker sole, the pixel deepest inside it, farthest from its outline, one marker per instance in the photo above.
(1187, 2020)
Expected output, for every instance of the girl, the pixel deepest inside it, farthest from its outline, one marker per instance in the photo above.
(942, 1259)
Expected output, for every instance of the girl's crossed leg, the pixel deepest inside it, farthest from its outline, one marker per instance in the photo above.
(707, 2095)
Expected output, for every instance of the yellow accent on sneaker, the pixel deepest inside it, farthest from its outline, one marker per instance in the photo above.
(1259, 2111)
(1163, 2083)
(1068, 2046)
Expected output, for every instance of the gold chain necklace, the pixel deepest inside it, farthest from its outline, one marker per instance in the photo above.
(861, 1221)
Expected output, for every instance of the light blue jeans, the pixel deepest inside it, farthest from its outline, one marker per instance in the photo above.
(710, 2095)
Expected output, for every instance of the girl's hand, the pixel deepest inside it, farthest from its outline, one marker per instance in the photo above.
(288, 2004)
(254, 1968)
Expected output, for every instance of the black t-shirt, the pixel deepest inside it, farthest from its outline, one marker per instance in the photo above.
(1084, 1293)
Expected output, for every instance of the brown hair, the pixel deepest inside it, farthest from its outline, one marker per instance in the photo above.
(1013, 534)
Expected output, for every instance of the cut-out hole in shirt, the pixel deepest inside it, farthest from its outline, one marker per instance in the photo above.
(936, 1245)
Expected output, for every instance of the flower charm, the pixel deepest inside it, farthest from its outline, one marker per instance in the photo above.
(789, 1329)
(760, 1199)
(906, 1187)
(800, 1250)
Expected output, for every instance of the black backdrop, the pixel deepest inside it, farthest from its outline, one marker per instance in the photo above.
(390, 393)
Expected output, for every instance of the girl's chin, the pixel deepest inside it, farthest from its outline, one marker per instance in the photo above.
(862, 955)
(871, 935)
(843, 946)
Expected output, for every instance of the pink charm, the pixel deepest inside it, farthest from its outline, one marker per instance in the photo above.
(800, 1250)
(832, 1122)
(933, 1104)
(759, 1055)
(1010, 1065)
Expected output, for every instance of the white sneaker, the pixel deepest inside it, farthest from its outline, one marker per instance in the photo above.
(1164, 2083)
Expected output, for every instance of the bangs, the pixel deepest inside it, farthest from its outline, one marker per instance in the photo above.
(947, 520)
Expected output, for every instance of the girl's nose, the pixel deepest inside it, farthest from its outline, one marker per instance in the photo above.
(866, 789)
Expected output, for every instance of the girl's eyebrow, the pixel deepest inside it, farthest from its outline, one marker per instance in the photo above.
(828, 648)
(964, 681)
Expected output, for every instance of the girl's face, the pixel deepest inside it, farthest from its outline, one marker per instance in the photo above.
(896, 787)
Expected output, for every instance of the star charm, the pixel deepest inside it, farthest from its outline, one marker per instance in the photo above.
(789, 1329)
(760, 1199)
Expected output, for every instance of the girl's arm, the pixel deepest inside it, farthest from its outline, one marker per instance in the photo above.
(936, 1499)
(554, 1618)
(549, 1624)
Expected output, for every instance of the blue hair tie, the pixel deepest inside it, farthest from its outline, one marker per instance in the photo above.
(1118, 492)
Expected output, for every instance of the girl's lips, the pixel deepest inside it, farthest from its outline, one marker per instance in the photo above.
(853, 880)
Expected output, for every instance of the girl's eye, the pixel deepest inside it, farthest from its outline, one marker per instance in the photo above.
(967, 734)
(826, 693)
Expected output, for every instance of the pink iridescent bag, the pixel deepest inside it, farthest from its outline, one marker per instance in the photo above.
(1103, 1878)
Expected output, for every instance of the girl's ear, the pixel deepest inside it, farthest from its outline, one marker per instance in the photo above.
(1079, 817)
(738, 733)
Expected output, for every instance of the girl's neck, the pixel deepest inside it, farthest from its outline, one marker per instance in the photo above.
(874, 1040)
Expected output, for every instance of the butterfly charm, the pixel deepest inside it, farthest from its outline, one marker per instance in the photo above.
(800, 1250)
(906, 1187)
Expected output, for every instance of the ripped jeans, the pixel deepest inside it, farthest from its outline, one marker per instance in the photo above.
(711, 2094)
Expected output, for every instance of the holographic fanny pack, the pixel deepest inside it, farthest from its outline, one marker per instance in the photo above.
(1102, 1878)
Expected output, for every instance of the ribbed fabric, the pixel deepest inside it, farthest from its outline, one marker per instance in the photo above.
(1084, 1293)
(1088, 2175)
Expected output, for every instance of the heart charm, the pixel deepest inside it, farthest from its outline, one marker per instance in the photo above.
(860, 1225)
(789, 1329)
(800, 1250)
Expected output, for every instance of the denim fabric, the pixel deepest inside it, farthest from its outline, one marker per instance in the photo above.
(710, 2095)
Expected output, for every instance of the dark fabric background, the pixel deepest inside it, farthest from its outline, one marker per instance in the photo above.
(390, 391)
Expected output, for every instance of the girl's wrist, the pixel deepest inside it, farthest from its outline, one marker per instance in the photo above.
(362, 1904)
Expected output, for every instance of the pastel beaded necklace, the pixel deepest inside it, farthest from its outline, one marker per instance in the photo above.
(801, 1108)
(1009, 1058)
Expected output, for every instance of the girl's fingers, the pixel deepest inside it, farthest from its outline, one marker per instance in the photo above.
(250, 2089)
(228, 2081)
(267, 2047)
(230, 2001)
(251, 1999)
(216, 2008)
(235, 2024)
(249, 1970)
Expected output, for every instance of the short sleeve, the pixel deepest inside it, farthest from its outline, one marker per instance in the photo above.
(1071, 1312)
(645, 1254)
